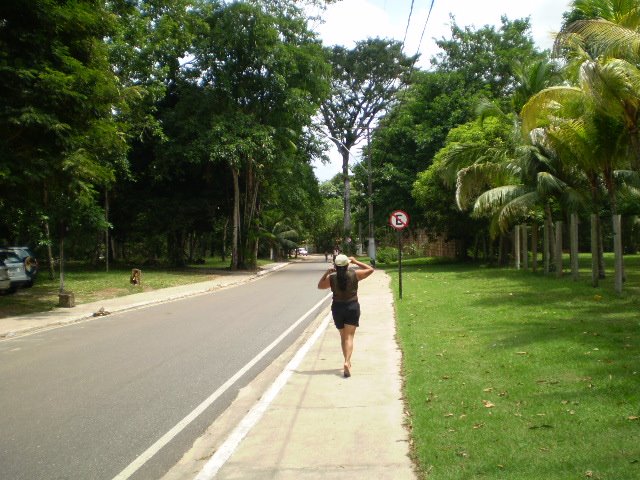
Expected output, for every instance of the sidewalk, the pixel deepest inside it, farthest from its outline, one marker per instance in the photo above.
(323, 426)
(20, 325)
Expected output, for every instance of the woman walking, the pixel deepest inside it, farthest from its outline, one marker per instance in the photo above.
(345, 307)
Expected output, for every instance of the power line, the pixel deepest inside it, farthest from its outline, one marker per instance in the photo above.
(406, 30)
(424, 29)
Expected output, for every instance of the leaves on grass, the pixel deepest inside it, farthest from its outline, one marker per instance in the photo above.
(544, 425)
(633, 417)
(488, 389)
(522, 353)
(488, 404)
(476, 426)
(448, 415)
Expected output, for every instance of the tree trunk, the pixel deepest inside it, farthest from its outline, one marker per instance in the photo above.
(106, 230)
(558, 250)
(61, 260)
(524, 238)
(224, 239)
(573, 235)
(347, 194)
(595, 251)
(546, 248)
(47, 232)
(617, 252)
(534, 247)
(601, 266)
(236, 220)
(516, 246)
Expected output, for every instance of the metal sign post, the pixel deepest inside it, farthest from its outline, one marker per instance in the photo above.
(398, 221)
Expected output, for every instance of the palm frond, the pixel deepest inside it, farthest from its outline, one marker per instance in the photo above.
(517, 209)
(630, 178)
(494, 199)
(460, 156)
(607, 38)
(474, 179)
(540, 107)
(548, 184)
(488, 109)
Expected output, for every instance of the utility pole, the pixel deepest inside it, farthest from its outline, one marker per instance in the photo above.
(371, 250)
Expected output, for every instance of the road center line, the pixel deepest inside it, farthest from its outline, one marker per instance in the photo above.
(167, 437)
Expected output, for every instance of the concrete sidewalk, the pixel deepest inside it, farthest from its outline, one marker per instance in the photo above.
(323, 426)
(20, 325)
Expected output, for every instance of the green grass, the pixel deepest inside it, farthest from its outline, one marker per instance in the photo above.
(90, 284)
(513, 375)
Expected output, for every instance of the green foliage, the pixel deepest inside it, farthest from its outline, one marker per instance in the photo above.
(487, 58)
(59, 141)
(387, 255)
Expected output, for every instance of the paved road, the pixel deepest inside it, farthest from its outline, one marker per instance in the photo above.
(84, 401)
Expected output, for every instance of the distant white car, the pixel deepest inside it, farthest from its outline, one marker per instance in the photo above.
(303, 252)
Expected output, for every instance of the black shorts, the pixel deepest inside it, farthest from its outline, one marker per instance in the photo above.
(345, 313)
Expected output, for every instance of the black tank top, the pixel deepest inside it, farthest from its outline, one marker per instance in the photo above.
(350, 294)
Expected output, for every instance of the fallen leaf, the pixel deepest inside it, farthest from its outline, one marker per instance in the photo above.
(489, 389)
(478, 425)
(448, 415)
(522, 353)
(633, 417)
(588, 474)
(488, 404)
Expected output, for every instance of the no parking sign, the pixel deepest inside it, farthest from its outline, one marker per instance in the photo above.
(398, 220)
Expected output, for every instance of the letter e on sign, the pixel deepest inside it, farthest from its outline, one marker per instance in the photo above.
(399, 219)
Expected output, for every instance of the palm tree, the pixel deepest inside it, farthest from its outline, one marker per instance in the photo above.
(605, 42)
(603, 46)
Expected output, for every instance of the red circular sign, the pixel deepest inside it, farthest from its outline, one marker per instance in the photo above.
(399, 219)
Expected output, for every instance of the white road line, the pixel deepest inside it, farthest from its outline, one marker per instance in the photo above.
(229, 446)
(167, 437)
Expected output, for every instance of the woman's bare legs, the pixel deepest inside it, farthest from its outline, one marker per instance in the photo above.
(346, 340)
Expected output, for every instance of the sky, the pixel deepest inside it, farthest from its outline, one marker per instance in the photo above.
(348, 21)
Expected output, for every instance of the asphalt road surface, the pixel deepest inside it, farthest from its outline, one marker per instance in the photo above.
(85, 401)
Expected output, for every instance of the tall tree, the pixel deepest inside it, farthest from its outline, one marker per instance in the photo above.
(263, 77)
(487, 57)
(58, 137)
(366, 80)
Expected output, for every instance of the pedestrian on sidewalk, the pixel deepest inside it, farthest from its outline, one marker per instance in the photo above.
(345, 307)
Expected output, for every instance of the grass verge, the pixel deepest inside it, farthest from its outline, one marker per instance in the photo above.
(89, 284)
(513, 375)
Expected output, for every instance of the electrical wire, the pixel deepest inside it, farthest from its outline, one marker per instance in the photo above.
(424, 29)
(406, 30)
